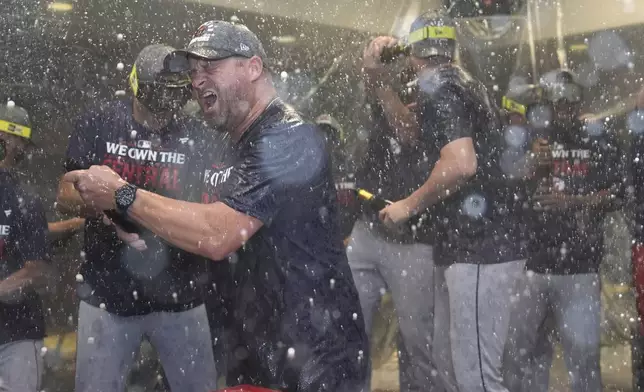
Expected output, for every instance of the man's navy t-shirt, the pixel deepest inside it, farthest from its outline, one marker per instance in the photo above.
(23, 238)
(126, 281)
(478, 224)
(297, 313)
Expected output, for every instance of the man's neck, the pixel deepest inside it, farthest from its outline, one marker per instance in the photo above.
(258, 108)
(144, 117)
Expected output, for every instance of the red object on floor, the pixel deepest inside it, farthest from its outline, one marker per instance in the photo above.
(246, 388)
(637, 259)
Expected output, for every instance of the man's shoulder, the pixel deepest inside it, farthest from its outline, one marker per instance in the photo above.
(289, 127)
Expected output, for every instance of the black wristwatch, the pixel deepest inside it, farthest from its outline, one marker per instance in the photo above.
(124, 197)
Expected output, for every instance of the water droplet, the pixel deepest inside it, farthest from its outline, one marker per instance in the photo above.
(102, 306)
(291, 353)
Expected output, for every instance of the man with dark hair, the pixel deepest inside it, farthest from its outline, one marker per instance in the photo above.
(143, 288)
(478, 250)
(24, 261)
(296, 310)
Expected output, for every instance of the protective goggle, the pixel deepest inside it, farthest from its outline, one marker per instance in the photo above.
(15, 129)
(447, 33)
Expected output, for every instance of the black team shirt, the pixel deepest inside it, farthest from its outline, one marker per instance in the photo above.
(571, 241)
(23, 237)
(115, 276)
(476, 224)
(297, 316)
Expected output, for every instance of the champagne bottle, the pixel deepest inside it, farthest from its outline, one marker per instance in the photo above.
(388, 55)
(375, 202)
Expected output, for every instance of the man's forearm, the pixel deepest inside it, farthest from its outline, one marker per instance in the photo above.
(402, 120)
(66, 228)
(188, 226)
(34, 276)
(444, 181)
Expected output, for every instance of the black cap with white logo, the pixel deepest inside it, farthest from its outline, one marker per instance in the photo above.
(217, 40)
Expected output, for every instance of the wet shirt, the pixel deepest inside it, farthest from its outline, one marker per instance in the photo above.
(297, 314)
(637, 171)
(393, 171)
(571, 241)
(23, 238)
(476, 224)
(122, 279)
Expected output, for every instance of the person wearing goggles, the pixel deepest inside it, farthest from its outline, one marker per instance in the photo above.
(25, 269)
(580, 182)
(129, 290)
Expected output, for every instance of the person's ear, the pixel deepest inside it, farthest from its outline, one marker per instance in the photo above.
(255, 68)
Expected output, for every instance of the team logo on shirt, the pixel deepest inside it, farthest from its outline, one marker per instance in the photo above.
(144, 144)
(212, 179)
(574, 162)
(4, 233)
(145, 164)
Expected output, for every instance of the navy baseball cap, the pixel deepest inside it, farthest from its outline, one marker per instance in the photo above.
(218, 40)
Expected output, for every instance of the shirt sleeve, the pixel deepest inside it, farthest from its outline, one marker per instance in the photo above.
(31, 232)
(446, 117)
(80, 150)
(279, 168)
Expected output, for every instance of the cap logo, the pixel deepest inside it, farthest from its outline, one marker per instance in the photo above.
(244, 47)
(200, 31)
(200, 38)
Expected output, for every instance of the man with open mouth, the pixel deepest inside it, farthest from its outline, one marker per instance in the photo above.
(297, 316)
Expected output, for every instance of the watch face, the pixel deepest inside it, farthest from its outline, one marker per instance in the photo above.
(125, 196)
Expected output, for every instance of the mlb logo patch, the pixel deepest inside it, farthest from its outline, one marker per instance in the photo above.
(144, 144)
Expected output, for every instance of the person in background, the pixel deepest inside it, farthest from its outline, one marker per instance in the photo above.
(397, 260)
(478, 250)
(145, 288)
(25, 269)
(581, 180)
(343, 172)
